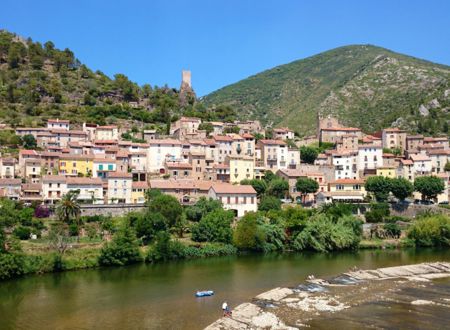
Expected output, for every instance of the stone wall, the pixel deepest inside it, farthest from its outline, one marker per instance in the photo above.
(111, 209)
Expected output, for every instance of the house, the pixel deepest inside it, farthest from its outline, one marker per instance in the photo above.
(109, 132)
(348, 142)
(345, 190)
(31, 192)
(274, 153)
(331, 131)
(438, 160)
(53, 188)
(197, 160)
(32, 171)
(240, 199)
(421, 164)
(241, 167)
(413, 142)
(345, 165)
(76, 165)
(185, 127)
(161, 150)
(249, 127)
(89, 190)
(370, 157)
(178, 170)
(119, 187)
(292, 175)
(26, 155)
(223, 145)
(58, 124)
(138, 160)
(102, 166)
(63, 137)
(7, 168)
(405, 169)
(221, 172)
(10, 188)
(293, 157)
(283, 133)
(138, 190)
(394, 138)
(186, 191)
(387, 172)
(150, 134)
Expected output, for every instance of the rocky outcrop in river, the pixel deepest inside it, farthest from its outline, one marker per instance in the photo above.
(342, 300)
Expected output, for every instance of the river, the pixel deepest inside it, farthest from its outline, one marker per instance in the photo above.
(162, 296)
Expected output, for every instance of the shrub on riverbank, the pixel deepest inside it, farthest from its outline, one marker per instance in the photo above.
(431, 230)
(123, 249)
(323, 234)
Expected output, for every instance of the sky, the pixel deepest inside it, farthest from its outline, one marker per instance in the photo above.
(224, 41)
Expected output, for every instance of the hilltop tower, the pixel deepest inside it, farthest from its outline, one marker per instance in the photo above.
(187, 94)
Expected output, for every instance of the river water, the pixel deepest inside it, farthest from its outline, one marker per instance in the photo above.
(162, 296)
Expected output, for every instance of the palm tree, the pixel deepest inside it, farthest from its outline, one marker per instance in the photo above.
(68, 207)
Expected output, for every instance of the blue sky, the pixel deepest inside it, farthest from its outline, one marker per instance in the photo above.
(224, 41)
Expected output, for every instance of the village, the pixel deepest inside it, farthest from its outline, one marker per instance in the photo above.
(103, 168)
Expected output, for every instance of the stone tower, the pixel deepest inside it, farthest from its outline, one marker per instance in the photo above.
(187, 94)
(186, 78)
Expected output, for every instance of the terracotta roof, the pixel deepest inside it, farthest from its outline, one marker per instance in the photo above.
(180, 184)
(393, 130)
(247, 136)
(375, 146)
(439, 152)
(140, 185)
(120, 175)
(343, 129)
(105, 142)
(227, 188)
(31, 187)
(419, 157)
(64, 131)
(28, 152)
(223, 166)
(347, 181)
(53, 178)
(271, 141)
(406, 161)
(418, 137)
(223, 138)
(164, 141)
(58, 121)
(178, 165)
(388, 155)
(77, 157)
(10, 182)
(210, 142)
(84, 181)
(107, 127)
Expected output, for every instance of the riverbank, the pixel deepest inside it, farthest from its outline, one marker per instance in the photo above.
(305, 304)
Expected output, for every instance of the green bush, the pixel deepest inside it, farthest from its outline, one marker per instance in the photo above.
(165, 249)
(392, 229)
(269, 203)
(378, 212)
(214, 227)
(430, 231)
(11, 265)
(122, 250)
(248, 235)
(209, 250)
(323, 234)
(22, 232)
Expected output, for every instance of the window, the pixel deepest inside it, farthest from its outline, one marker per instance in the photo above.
(110, 167)
(339, 187)
(228, 200)
(100, 167)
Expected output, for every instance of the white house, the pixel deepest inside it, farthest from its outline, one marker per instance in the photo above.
(370, 156)
(345, 165)
(90, 190)
(53, 188)
(240, 199)
(119, 187)
(58, 124)
(160, 150)
(421, 164)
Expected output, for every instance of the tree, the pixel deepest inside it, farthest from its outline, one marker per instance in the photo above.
(59, 239)
(201, 208)
(123, 249)
(208, 127)
(401, 188)
(148, 225)
(259, 185)
(278, 188)
(269, 176)
(214, 227)
(68, 208)
(248, 235)
(306, 186)
(429, 186)
(29, 142)
(447, 167)
(169, 207)
(308, 154)
(379, 186)
(268, 203)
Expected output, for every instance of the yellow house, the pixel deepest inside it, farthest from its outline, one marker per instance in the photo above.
(73, 165)
(241, 167)
(138, 190)
(387, 172)
(347, 190)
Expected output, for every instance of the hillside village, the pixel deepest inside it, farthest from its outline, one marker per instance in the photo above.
(189, 163)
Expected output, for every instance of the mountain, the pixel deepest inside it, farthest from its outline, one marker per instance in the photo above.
(363, 85)
(38, 82)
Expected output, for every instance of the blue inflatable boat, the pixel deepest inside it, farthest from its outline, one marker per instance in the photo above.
(204, 293)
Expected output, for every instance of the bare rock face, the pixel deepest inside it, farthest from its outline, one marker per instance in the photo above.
(423, 110)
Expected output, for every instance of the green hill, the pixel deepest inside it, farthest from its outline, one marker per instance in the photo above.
(38, 82)
(364, 86)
